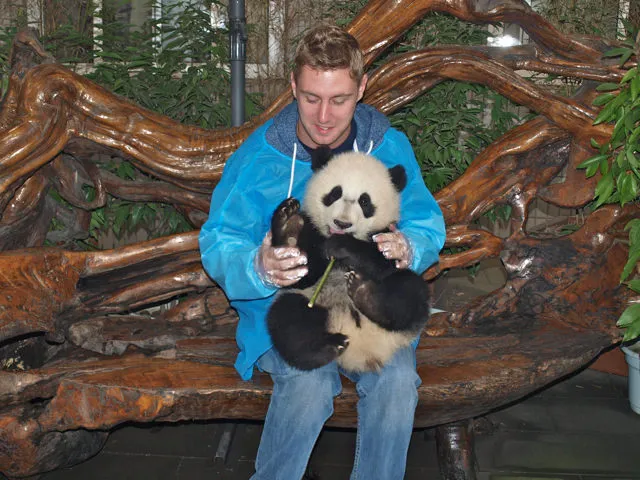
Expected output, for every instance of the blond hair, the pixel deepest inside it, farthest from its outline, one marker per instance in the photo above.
(327, 47)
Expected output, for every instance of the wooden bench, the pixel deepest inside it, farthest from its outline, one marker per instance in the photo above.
(174, 367)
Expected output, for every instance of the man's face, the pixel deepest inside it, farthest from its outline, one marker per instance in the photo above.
(327, 100)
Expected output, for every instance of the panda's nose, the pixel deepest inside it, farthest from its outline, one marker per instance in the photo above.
(342, 225)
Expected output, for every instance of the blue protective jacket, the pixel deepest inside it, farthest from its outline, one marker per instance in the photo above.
(257, 178)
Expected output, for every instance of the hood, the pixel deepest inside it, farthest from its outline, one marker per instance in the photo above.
(281, 134)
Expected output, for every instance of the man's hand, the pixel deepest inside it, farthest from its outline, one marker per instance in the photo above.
(279, 266)
(395, 246)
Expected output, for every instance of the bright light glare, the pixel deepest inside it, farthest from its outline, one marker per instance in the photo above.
(503, 41)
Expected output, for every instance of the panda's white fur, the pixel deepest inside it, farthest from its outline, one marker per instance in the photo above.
(370, 346)
(356, 173)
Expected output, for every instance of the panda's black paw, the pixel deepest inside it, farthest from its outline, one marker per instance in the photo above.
(363, 294)
(323, 351)
(286, 224)
(357, 287)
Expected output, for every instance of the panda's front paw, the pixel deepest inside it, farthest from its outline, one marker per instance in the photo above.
(342, 247)
(286, 223)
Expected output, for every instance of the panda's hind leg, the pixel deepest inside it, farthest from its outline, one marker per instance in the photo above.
(286, 224)
(399, 302)
(366, 296)
(300, 334)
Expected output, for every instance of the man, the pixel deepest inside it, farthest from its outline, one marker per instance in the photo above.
(327, 83)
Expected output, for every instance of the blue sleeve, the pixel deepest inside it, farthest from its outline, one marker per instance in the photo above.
(421, 219)
(238, 220)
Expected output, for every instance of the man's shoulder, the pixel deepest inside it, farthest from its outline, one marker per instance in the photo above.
(258, 135)
(396, 139)
(254, 142)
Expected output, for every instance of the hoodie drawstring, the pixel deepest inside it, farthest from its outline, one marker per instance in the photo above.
(293, 168)
(355, 146)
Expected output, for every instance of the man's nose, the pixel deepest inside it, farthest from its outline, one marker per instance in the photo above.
(325, 112)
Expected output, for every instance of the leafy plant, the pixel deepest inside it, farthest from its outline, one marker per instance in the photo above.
(618, 162)
(630, 318)
(583, 17)
(6, 36)
(453, 122)
(181, 61)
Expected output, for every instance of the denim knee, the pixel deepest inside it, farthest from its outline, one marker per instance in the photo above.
(303, 389)
(396, 381)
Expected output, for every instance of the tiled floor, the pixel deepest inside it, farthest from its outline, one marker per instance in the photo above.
(579, 429)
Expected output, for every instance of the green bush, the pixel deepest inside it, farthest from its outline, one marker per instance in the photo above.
(618, 162)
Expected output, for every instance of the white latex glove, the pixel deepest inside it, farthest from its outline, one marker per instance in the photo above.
(395, 246)
(279, 266)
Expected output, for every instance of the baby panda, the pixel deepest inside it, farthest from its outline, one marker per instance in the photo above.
(367, 308)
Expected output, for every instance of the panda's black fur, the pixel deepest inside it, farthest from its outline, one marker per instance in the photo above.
(368, 308)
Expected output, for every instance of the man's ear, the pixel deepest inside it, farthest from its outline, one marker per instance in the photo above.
(362, 86)
(398, 177)
(292, 81)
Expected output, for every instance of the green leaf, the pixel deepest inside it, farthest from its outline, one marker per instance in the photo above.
(136, 215)
(632, 225)
(627, 187)
(621, 159)
(631, 73)
(604, 99)
(616, 52)
(592, 170)
(632, 332)
(634, 137)
(625, 56)
(610, 110)
(110, 55)
(629, 316)
(596, 159)
(634, 285)
(635, 87)
(607, 87)
(120, 218)
(629, 122)
(630, 266)
(604, 189)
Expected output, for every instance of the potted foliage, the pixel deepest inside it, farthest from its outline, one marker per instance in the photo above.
(618, 162)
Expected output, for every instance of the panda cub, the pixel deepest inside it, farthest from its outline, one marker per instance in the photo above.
(367, 308)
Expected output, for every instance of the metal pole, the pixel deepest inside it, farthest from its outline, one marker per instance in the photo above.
(237, 42)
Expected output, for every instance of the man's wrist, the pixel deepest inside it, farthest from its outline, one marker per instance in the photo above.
(260, 272)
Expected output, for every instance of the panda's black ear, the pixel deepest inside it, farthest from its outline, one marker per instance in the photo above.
(320, 156)
(398, 177)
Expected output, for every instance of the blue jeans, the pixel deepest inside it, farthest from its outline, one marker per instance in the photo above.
(302, 401)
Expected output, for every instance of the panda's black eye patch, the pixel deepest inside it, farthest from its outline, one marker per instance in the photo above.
(332, 196)
(368, 208)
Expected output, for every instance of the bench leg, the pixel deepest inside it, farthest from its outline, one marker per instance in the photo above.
(456, 454)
